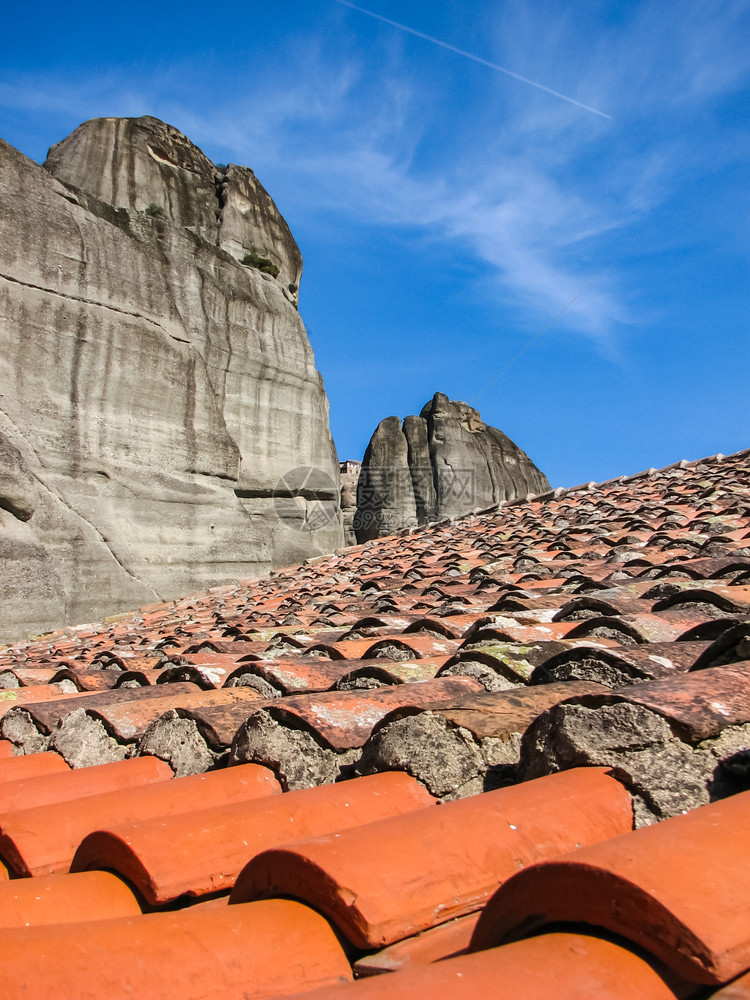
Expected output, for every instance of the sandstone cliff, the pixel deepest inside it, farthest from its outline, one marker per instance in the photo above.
(443, 463)
(157, 380)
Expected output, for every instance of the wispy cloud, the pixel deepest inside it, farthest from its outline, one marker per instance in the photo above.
(534, 191)
(473, 58)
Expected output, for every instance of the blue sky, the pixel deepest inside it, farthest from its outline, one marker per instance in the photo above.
(447, 211)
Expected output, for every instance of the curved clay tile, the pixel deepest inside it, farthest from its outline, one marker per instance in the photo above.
(43, 840)
(700, 704)
(505, 630)
(666, 888)
(440, 628)
(33, 694)
(488, 668)
(256, 675)
(619, 666)
(513, 601)
(76, 679)
(727, 599)
(430, 866)
(206, 677)
(459, 748)
(314, 739)
(322, 649)
(67, 785)
(107, 732)
(193, 740)
(673, 740)
(584, 608)
(136, 678)
(288, 675)
(65, 899)
(29, 727)
(267, 949)
(624, 629)
(515, 661)
(709, 631)
(731, 646)
(202, 852)
(107, 660)
(33, 766)
(28, 676)
(371, 674)
(563, 966)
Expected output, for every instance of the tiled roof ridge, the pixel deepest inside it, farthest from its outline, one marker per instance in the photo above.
(558, 493)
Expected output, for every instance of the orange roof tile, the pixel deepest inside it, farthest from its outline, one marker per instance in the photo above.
(263, 949)
(65, 899)
(203, 852)
(603, 626)
(566, 966)
(429, 866)
(667, 889)
(43, 839)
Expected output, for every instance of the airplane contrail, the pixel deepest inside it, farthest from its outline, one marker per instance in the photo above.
(477, 59)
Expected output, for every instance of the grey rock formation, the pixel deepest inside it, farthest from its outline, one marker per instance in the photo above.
(385, 496)
(155, 388)
(443, 463)
(146, 165)
(348, 478)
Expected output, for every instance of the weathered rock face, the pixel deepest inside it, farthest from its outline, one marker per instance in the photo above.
(348, 478)
(443, 463)
(143, 164)
(385, 497)
(154, 388)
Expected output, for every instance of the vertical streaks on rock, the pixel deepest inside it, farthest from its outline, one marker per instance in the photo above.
(385, 496)
(156, 385)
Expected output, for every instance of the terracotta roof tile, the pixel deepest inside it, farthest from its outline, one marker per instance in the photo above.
(427, 867)
(43, 840)
(35, 765)
(110, 731)
(198, 953)
(31, 695)
(313, 739)
(29, 728)
(625, 604)
(68, 785)
(200, 853)
(370, 674)
(566, 966)
(619, 666)
(65, 899)
(650, 888)
(72, 679)
(291, 675)
(468, 746)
